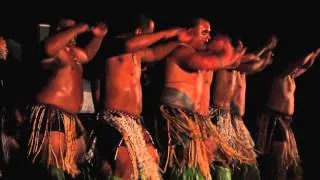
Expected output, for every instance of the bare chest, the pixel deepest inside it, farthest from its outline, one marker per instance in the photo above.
(289, 84)
(72, 59)
(128, 65)
(240, 81)
(204, 78)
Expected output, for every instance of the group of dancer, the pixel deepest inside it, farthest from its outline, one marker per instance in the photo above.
(198, 128)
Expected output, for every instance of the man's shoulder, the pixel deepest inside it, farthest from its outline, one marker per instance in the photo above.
(183, 51)
(112, 46)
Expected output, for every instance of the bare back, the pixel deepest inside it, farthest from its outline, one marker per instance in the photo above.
(64, 88)
(122, 87)
(223, 88)
(189, 90)
(239, 95)
(281, 97)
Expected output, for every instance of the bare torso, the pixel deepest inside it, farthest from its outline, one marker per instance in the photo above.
(188, 90)
(229, 90)
(281, 97)
(122, 87)
(239, 96)
(64, 88)
(223, 88)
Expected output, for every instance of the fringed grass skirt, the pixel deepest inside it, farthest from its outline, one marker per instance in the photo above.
(45, 119)
(185, 157)
(273, 127)
(133, 136)
(233, 131)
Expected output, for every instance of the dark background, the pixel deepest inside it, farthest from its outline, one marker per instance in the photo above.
(297, 28)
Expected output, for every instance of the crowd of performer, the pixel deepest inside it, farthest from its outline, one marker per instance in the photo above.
(183, 121)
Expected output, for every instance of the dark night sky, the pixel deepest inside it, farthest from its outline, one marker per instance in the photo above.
(297, 28)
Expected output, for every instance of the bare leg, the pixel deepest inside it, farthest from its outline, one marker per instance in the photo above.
(278, 149)
(123, 166)
(154, 153)
(80, 146)
(106, 170)
(211, 148)
(57, 150)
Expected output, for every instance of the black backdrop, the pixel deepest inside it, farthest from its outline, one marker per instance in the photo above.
(296, 28)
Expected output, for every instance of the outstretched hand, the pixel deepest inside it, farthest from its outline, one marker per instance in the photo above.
(184, 36)
(100, 30)
(312, 55)
(239, 45)
(219, 43)
(272, 43)
(172, 32)
(250, 57)
(82, 27)
(308, 60)
(315, 54)
(266, 52)
(239, 53)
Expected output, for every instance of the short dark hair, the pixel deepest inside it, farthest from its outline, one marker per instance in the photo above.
(192, 22)
(140, 21)
(58, 25)
(144, 22)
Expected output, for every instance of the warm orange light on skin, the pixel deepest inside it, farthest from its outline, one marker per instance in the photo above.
(201, 34)
(151, 27)
(204, 31)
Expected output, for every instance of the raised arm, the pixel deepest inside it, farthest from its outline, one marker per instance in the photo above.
(260, 59)
(145, 40)
(220, 54)
(158, 52)
(222, 57)
(256, 65)
(242, 58)
(98, 31)
(270, 45)
(56, 42)
(302, 65)
(209, 60)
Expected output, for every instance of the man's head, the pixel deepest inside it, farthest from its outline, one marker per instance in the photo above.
(143, 25)
(199, 29)
(146, 25)
(61, 25)
(64, 24)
